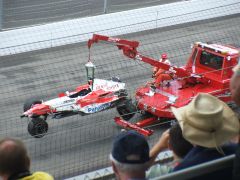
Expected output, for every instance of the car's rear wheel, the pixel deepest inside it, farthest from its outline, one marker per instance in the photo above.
(126, 109)
(29, 103)
(37, 127)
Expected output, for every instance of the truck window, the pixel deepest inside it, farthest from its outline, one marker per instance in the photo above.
(211, 60)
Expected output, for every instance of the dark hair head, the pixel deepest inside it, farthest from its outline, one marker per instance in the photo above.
(13, 156)
(177, 142)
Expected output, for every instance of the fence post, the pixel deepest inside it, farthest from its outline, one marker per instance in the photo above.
(105, 8)
(1, 14)
(157, 20)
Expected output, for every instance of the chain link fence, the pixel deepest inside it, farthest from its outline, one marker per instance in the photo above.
(80, 144)
(19, 13)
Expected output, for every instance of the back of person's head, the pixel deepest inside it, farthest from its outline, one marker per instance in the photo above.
(130, 152)
(207, 121)
(178, 144)
(13, 157)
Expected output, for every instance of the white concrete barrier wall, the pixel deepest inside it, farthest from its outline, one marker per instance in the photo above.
(80, 30)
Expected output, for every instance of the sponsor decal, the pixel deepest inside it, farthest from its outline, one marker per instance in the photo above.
(110, 39)
(69, 100)
(106, 87)
(98, 108)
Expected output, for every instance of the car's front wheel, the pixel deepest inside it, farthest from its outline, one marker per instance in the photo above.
(37, 127)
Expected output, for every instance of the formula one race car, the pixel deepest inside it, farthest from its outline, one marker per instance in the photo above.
(208, 70)
(96, 96)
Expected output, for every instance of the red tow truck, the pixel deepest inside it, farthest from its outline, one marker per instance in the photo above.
(208, 70)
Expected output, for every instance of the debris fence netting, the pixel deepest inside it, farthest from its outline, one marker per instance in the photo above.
(79, 144)
(18, 13)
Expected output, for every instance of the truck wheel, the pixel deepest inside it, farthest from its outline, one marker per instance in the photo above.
(37, 127)
(28, 104)
(126, 109)
(122, 93)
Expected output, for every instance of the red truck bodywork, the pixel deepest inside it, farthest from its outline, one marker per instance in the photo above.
(208, 70)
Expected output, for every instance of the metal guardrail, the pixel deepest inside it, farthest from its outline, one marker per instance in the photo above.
(189, 173)
(200, 170)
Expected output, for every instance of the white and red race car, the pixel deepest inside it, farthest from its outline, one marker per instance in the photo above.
(85, 99)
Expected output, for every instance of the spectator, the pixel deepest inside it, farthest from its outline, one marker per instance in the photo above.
(173, 140)
(178, 144)
(207, 123)
(235, 92)
(235, 85)
(130, 156)
(15, 162)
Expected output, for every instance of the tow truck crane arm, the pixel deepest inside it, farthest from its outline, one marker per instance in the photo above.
(129, 49)
(96, 38)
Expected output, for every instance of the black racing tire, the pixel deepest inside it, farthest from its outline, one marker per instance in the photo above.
(126, 109)
(28, 104)
(37, 127)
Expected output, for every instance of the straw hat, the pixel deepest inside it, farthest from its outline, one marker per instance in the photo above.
(207, 121)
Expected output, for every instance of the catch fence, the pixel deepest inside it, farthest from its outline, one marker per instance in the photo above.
(80, 144)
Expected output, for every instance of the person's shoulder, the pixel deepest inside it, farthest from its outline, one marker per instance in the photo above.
(195, 156)
(44, 175)
(168, 62)
(200, 155)
(39, 175)
(230, 148)
(158, 170)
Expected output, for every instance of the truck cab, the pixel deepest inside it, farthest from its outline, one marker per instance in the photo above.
(214, 62)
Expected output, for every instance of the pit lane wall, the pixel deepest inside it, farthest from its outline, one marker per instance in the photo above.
(80, 30)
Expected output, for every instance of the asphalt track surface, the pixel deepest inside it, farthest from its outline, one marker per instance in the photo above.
(79, 144)
(18, 13)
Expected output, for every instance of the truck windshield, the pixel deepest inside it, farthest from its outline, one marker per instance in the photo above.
(211, 60)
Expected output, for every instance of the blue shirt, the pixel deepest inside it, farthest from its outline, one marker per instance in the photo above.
(198, 155)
